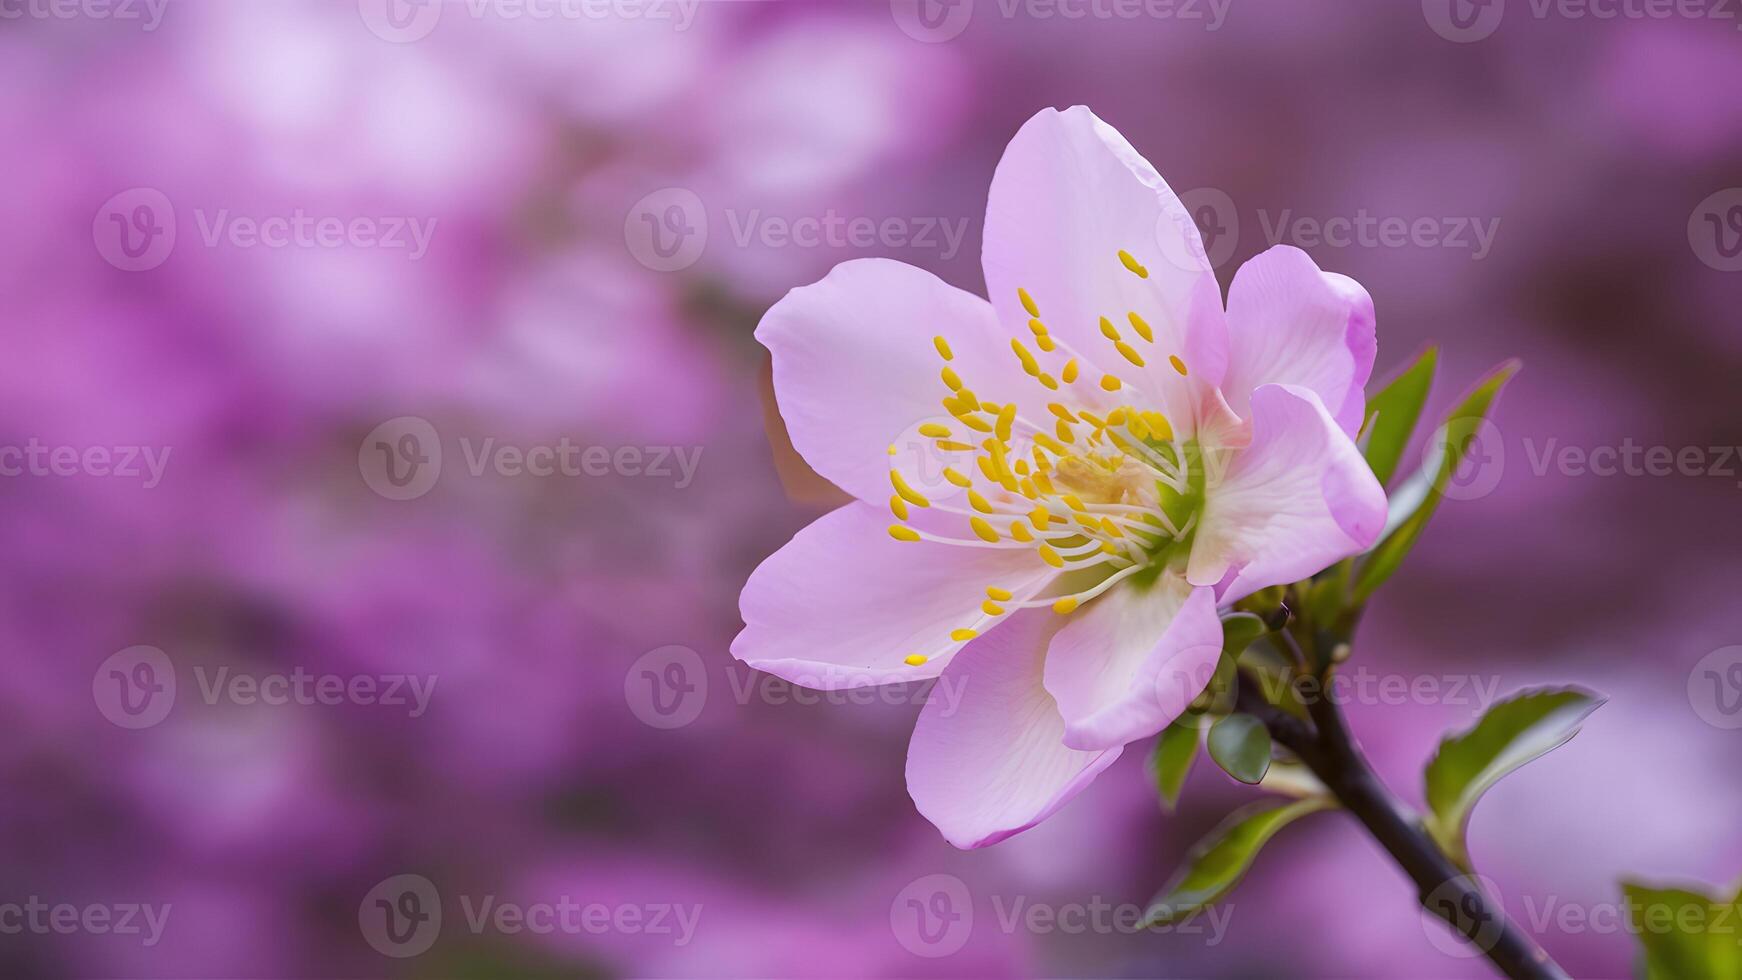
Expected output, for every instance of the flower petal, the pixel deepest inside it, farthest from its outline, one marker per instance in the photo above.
(1299, 498)
(843, 603)
(1068, 196)
(1130, 661)
(1290, 323)
(986, 760)
(855, 368)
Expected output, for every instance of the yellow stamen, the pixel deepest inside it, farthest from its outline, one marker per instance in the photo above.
(1044, 482)
(1048, 555)
(1138, 324)
(1070, 372)
(1002, 595)
(963, 635)
(1061, 411)
(1028, 363)
(1116, 416)
(1006, 419)
(915, 659)
(1178, 365)
(1020, 532)
(1158, 425)
(991, 608)
(1038, 328)
(1111, 528)
(1038, 517)
(1064, 431)
(958, 478)
(954, 447)
(1049, 382)
(932, 430)
(1131, 263)
(1065, 606)
(1108, 330)
(973, 422)
(1129, 352)
(943, 347)
(906, 492)
(1027, 301)
(1046, 343)
(900, 533)
(1073, 502)
(986, 531)
(1111, 383)
(898, 507)
(952, 379)
(978, 502)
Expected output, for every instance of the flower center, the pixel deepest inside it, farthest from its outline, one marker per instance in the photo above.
(1100, 488)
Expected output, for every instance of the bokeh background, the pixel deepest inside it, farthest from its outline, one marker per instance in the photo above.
(603, 192)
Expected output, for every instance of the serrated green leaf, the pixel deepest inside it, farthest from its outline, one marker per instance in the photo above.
(1685, 934)
(1415, 502)
(1510, 734)
(1175, 751)
(1218, 862)
(1392, 414)
(1240, 744)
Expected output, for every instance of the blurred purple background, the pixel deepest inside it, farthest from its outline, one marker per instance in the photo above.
(404, 230)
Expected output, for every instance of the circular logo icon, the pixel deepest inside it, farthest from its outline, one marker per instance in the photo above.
(1463, 21)
(135, 687)
(1715, 230)
(667, 687)
(1203, 230)
(923, 453)
(933, 916)
(1715, 688)
(401, 458)
(667, 230)
(932, 21)
(400, 21)
(1463, 917)
(1482, 462)
(401, 916)
(135, 230)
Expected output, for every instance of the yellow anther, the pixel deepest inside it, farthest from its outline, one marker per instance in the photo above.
(1117, 416)
(1158, 425)
(1093, 419)
(1061, 411)
(1073, 502)
(1042, 439)
(906, 492)
(985, 530)
(1039, 517)
(915, 659)
(1129, 352)
(892, 449)
(1022, 468)
(1108, 330)
(1178, 365)
(1002, 595)
(1027, 301)
(1020, 532)
(1028, 363)
(954, 447)
(1131, 263)
(987, 468)
(957, 477)
(1088, 522)
(991, 608)
(1044, 484)
(1040, 462)
(978, 502)
(943, 347)
(932, 430)
(952, 379)
(1138, 324)
(1006, 419)
(1111, 383)
(1050, 556)
(1046, 343)
(1069, 374)
(992, 407)
(900, 533)
(898, 507)
(1111, 528)
(973, 422)
(963, 635)
(1048, 382)
(1108, 548)
(1037, 328)
(1027, 486)
(965, 398)
(1065, 606)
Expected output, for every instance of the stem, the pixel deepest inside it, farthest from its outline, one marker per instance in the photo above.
(1327, 748)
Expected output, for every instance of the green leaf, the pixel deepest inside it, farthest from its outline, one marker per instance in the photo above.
(1218, 862)
(1511, 733)
(1415, 502)
(1240, 744)
(1686, 935)
(1238, 632)
(1393, 413)
(1175, 751)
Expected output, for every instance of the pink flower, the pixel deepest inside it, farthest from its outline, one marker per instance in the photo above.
(1116, 456)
